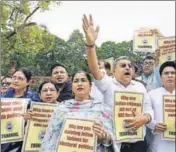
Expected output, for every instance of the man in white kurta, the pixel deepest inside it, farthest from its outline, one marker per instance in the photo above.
(157, 144)
(122, 81)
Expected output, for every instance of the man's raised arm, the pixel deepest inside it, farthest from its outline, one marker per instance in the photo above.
(91, 35)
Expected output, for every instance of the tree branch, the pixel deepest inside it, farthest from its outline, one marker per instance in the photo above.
(12, 13)
(31, 14)
(19, 28)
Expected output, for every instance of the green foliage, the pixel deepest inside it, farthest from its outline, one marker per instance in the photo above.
(21, 38)
(32, 46)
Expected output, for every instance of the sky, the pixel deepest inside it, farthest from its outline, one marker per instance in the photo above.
(117, 19)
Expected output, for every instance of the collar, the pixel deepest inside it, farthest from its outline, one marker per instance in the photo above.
(144, 76)
(118, 83)
(165, 91)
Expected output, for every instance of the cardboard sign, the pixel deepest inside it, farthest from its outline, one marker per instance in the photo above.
(144, 41)
(36, 127)
(167, 49)
(77, 136)
(12, 122)
(124, 104)
(169, 116)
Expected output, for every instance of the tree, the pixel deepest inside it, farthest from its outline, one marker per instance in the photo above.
(107, 49)
(19, 34)
(57, 54)
(76, 53)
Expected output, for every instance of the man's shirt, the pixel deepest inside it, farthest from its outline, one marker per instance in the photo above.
(109, 86)
(153, 81)
(157, 144)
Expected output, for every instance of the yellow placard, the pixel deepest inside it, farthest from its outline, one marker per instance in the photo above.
(110, 61)
(167, 49)
(124, 104)
(169, 116)
(36, 127)
(12, 122)
(77, 136)
(144, 41)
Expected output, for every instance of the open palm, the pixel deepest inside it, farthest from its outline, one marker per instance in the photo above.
(91, 33)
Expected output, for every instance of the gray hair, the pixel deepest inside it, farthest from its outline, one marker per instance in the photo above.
(120, 58)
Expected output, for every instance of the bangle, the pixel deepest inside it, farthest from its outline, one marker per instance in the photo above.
(90, 46)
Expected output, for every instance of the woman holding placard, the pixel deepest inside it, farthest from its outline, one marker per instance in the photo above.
(19, 89)
(80, 124)
(48, 93)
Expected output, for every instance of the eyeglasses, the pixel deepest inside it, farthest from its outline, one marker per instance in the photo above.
(18, 78)
(167, 73)
(6, 84)
(148, 63)
(125, 65)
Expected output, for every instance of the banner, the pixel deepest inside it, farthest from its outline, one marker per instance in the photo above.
(169, 116)
(124, 104)
(110, 61)
(144, 41)
(167, 49)
(77, 136)
(12, 122)
(36, 127)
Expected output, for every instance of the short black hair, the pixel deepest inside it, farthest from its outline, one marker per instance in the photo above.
(27, 73)
(56, 65)
(45, 82)
(149, 57)
(167, 64)
(107, 65)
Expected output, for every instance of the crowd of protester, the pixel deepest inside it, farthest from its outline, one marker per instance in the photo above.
(84, 97)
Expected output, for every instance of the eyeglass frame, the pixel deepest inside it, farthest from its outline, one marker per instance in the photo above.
(19, 78)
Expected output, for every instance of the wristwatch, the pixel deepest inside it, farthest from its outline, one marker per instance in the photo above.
(149, 117)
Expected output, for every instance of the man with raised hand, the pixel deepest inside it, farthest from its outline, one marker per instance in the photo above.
(122, 81)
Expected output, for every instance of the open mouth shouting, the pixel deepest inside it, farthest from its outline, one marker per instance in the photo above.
(127, 74)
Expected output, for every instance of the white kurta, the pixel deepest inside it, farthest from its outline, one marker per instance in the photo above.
(157, 144)
(109, 86)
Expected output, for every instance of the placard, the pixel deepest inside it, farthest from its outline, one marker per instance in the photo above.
(77, 136)
(167, 49)
(144, 41)
(169, 116)
(36, 127)
(12, 122)
(124, 104)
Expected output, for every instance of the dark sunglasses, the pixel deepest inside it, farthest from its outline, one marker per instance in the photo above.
(6, 83)
(125, 65)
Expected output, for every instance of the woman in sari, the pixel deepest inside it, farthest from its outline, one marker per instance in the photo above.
(81, 107)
